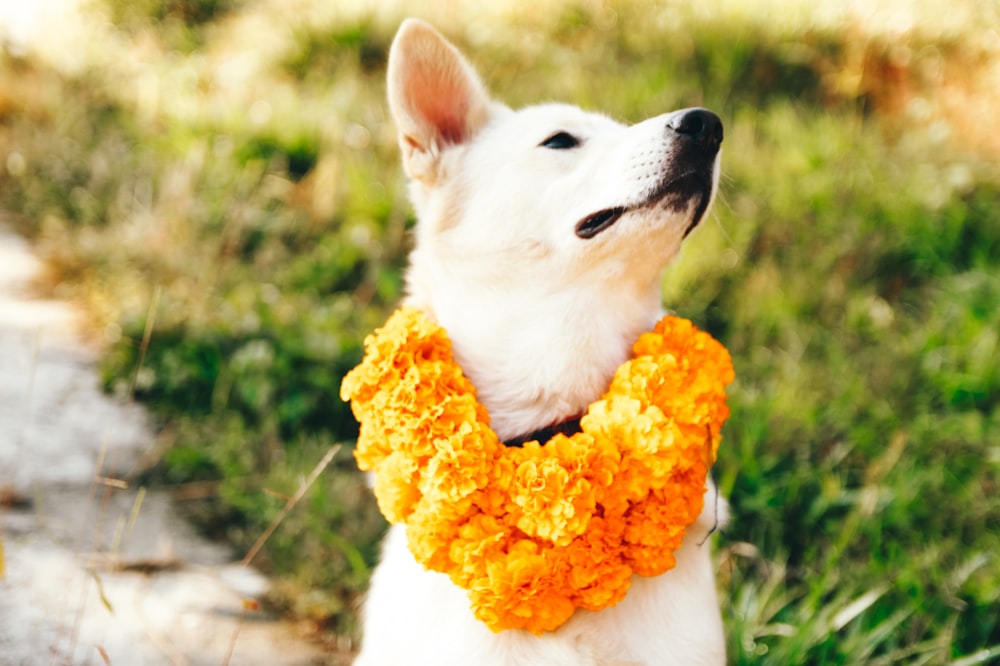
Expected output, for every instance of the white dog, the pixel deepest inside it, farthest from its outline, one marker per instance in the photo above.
(542, 238)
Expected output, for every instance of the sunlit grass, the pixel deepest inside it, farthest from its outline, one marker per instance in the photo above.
(237, 158)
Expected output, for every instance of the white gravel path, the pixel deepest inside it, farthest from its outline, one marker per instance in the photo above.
(64, 598)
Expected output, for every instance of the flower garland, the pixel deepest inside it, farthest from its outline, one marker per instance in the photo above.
(534, 532)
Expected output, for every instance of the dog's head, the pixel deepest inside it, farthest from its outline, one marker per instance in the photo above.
(556, 191)
(546, 217)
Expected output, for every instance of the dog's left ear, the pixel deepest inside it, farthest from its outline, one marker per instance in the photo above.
(435, 97)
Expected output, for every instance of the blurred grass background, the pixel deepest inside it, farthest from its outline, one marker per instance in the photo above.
(225, 171)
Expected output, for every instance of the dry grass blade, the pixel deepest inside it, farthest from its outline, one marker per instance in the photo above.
(100, 592)
(104, 655)
(290, 504)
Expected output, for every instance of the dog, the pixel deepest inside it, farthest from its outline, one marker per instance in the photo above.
(541, 241)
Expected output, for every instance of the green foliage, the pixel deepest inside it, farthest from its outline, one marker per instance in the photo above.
(179, 23)
(852, 267)
(322, 51)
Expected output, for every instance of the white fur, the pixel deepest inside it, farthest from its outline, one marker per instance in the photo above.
(539, 320)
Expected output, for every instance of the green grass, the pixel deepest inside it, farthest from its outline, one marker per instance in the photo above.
(852, 267)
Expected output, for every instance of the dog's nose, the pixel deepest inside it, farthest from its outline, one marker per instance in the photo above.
(700, 125)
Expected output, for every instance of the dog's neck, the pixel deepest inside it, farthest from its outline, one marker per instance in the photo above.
(536, 362)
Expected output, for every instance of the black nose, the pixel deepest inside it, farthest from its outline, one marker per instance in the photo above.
(700, 125)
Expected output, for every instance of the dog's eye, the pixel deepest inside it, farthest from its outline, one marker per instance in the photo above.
(560, 141)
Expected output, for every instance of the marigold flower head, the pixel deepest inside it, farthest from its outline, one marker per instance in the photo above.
(534, 532)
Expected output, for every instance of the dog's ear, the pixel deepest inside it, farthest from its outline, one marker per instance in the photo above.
(435, 97)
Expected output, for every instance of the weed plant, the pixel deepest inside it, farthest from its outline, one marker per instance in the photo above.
(228, 175)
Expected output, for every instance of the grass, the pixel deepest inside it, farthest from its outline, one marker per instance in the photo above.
(249, 177)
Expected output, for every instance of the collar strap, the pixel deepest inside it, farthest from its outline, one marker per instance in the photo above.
(569, 428)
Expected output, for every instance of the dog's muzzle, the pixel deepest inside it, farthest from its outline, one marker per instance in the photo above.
(695, 136)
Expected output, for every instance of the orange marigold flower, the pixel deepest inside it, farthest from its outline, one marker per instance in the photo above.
(534, 532)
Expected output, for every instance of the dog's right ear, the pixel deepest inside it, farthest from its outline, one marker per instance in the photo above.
(435, 97)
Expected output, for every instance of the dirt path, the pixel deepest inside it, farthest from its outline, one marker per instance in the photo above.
(92, 572)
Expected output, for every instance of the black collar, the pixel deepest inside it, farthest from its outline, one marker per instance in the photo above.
(569, 428)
